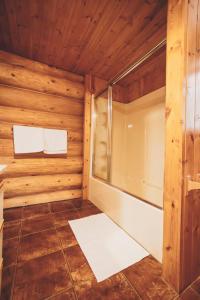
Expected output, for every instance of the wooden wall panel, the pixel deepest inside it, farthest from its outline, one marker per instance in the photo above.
(42, 198)
(6, 132)
(181, 207)
(87, 135)
(39, 166)
(36, 66)
(147, 78)
(32, 184)
(15, 97)
(24, 78)
(33, 94)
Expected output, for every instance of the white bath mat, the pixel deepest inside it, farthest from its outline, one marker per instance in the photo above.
(107, 248)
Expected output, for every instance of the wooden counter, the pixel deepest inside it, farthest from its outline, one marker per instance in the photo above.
(2, 169)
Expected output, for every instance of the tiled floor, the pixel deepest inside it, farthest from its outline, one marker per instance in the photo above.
(42, 260)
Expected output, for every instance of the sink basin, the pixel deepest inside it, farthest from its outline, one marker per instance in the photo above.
(2, 167)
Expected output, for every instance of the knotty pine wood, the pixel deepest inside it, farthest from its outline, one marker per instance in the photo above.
(6, 132)
(41, 177)
(24, 78)
(41, 166)
(32, 184)
(15, 97)
(35, 66)
(42, 198)
(7, 149)
(148, 77)
(100, 37)
(181, 211)
(87, 135)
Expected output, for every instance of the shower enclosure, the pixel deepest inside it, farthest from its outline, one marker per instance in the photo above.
(129, 144)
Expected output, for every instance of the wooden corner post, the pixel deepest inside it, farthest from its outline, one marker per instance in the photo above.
(181, 259)
(87, 135)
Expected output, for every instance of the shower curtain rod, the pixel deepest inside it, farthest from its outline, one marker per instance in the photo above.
(133, 66)
(137, 63)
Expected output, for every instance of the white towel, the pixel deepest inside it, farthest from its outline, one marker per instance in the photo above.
(28, 139)
(55, 141)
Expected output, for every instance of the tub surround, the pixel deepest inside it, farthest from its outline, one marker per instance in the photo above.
(140, 220)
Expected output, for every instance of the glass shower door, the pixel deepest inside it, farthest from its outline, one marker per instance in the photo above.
(102, 131)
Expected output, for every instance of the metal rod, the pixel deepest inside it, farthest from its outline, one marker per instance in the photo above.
(137, 63)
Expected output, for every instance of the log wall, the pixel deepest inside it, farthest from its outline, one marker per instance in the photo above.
(34, 94)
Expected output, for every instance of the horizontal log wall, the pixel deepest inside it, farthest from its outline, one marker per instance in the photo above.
(35, 94)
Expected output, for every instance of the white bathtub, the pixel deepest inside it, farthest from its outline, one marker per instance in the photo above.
(140, 220)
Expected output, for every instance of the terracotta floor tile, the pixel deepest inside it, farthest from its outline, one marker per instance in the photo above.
(11, 229)
(79, 267)
(38, 244)
(114, 288)
(68, 295)
(41, 277)
(80, 203)
(88, 211)
(145, 276)
(7, 279)
(196, 285)
(37, 224)
(12, 214)
(32, 211)
(62, 218)
(10, 249)
(77, 202)
(62, 205)
(66, 236)
(189, 294)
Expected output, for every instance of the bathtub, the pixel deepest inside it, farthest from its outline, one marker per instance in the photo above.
(142, 221)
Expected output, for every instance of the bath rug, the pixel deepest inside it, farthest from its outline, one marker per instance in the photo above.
(107, 248)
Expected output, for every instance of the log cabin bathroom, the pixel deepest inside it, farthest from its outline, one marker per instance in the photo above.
(99, 149)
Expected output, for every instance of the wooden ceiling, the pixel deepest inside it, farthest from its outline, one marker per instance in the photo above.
(101, 37)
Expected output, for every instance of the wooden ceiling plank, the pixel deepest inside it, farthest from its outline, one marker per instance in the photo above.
(125, 30)
(5, 38)
(90, 15)
(48, 20)
(107, 18)
(101, 37)
(61, 50)
(142, 43)
(14, 35)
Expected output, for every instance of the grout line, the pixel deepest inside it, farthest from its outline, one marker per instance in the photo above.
(15, 269)
(66, 264)
(131, 285)
(60, 293)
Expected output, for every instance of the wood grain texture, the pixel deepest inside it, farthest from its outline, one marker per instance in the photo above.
(15, 97)
(39, 166)
(87, 135)
(181, 211)
(32, 184)
(7, 149)
(24, 78)
(98, 37)
(36, 175)
(35, 66)
(147, 78)
(42, 198)
(6, 132)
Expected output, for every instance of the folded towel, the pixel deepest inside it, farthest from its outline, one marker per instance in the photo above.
(28, 139)
(55, 141)
(34, 139)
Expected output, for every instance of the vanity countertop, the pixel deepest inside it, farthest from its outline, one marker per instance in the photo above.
(2, 169)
